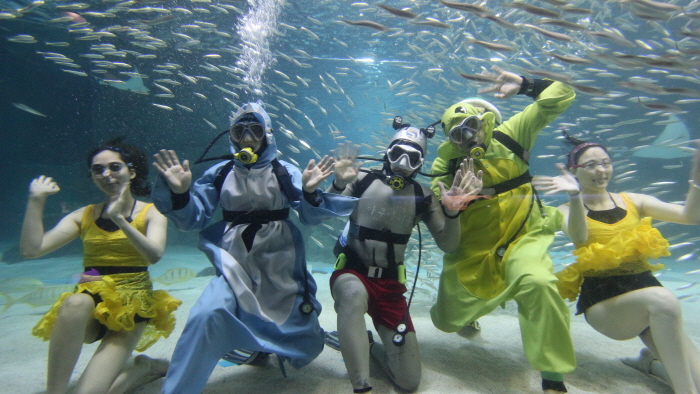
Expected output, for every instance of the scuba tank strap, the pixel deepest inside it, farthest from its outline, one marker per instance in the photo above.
(285, 181)
(513, 145)
(359, 189)
(422, 201)
(507, 185)
(221, 176)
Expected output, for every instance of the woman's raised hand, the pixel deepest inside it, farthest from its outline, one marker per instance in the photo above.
(42, 187)
(566, 182)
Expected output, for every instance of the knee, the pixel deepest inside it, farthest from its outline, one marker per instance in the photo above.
(408, 380)
(77, 304)
(539, 284)
(409, 383)
(662, 302)
(351, 298)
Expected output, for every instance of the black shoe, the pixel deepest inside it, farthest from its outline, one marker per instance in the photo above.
(246, 357)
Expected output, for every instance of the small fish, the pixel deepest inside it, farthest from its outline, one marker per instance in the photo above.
(28, 109)
(16, 285)
(212, 125)
(39, 297)
(397, 12)
(317, 242)
(539, 11)
(688, 286)
(163, 106)
(310, 33)
(175, 275)
(367, 24)
(431, 22)
(550, 34)
(476, 9)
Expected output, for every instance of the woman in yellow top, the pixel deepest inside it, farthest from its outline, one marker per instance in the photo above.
(114, 301)
(613, 235)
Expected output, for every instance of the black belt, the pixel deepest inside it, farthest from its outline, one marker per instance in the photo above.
(371, 271)
(391, 239)
(362, 233)
(262, 217)
(255, 220)
(507, 185)
(112, 270)
(354, 263)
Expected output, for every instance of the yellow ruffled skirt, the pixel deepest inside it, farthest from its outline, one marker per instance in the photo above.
(626, 253)
(123, 297)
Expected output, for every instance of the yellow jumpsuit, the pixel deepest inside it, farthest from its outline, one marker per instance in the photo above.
(474, 279)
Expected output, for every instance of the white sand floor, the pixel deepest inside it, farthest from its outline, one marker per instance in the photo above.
(493, 363)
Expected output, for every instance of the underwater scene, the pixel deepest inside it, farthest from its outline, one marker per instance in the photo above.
(169, 74)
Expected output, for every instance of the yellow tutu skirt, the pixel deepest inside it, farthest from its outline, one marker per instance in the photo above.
(123, 297)
(626, 253)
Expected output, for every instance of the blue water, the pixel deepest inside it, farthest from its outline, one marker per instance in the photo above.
(358, 80)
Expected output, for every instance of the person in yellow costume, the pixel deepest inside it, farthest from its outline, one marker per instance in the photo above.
(505, 236)
(113, 302)
(614, 238)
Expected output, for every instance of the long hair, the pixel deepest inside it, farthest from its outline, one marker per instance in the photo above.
(133, 157)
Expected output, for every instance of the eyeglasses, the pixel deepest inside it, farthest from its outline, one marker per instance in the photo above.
(256, 130)
(592, 165)
(413, 155)
(465, 130)
(99, 169)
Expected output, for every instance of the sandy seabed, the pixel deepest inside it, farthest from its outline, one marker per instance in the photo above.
(492, 363)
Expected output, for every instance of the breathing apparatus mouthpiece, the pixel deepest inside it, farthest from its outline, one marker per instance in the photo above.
(477, 151)
(397, 182)
(246, 156)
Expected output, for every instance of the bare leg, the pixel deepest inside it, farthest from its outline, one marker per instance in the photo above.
(67, 340)
(144, 370)
(351, 305)
(628, 315)
(109, 359)
(402, 363)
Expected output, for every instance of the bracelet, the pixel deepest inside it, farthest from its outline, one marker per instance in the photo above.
(692, 183)
(335, 187)
(450, 216)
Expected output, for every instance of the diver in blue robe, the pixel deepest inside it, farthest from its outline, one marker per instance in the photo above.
(263, 297)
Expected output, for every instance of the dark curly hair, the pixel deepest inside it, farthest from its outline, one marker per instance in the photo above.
(132, 156)
(579, 148)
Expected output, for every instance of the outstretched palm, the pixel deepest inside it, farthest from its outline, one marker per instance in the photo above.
(315, 174)
(346, 166)
(566, 182)
(465, 186)
(178, 176)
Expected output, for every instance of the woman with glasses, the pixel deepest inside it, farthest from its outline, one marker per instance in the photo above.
(114, 301)
(503, 248)
(612, 277)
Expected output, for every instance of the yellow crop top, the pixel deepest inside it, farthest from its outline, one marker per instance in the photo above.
(620, 248)
(104, 248)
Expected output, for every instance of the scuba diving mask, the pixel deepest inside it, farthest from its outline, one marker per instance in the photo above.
(463, 136)
(465, 130)
(238, 130)
(405, 156)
